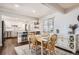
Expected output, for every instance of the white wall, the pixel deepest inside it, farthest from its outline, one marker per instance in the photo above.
(62, 22)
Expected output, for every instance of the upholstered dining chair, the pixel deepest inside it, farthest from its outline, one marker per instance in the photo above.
(32, 40)
(51, 44)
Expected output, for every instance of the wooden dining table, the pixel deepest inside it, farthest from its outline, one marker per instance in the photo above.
(41, 39)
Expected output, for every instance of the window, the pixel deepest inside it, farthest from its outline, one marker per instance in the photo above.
(48, 25)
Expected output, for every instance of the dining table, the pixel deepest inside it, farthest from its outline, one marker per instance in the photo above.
(41, 39)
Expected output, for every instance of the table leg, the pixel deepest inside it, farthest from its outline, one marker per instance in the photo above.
(29, 42)
(41, 48)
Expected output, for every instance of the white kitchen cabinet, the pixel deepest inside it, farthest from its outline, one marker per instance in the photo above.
(64, 42)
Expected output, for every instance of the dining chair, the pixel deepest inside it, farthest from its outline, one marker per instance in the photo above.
(33, 42)
(51, 44)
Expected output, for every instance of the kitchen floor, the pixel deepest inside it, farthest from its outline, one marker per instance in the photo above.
(10, 44)
(8, 48)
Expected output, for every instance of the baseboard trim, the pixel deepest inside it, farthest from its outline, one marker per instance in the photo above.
(65, 50)
(23, 43)
(10, 37)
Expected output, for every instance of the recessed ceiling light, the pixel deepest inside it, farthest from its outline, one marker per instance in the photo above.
(34, 11)
(16, 5)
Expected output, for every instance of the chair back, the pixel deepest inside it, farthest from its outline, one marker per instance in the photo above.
(33, 38)
(51, 43)
(52, 39)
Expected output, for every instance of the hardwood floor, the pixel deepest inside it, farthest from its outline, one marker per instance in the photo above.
(9, 45)
(8, 48)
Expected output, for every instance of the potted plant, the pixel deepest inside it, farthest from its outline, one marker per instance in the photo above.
(73, 27)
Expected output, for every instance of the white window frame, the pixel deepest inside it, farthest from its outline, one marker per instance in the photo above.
(48, 25)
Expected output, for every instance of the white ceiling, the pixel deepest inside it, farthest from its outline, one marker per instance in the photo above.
(68, 5)
(62, 7)
(29, 9)
(36, 10)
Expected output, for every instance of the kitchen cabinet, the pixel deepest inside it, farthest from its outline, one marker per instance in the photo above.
(65, 42)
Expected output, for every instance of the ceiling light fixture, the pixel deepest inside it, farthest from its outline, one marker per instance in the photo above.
(16, 5)
(34, 11)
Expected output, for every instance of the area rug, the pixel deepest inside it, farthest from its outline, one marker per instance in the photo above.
(24, 50)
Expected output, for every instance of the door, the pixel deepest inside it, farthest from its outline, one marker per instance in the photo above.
(3, 33)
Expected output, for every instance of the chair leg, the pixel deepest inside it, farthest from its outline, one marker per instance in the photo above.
(29, 45)
(36, 50)
(49, 53)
